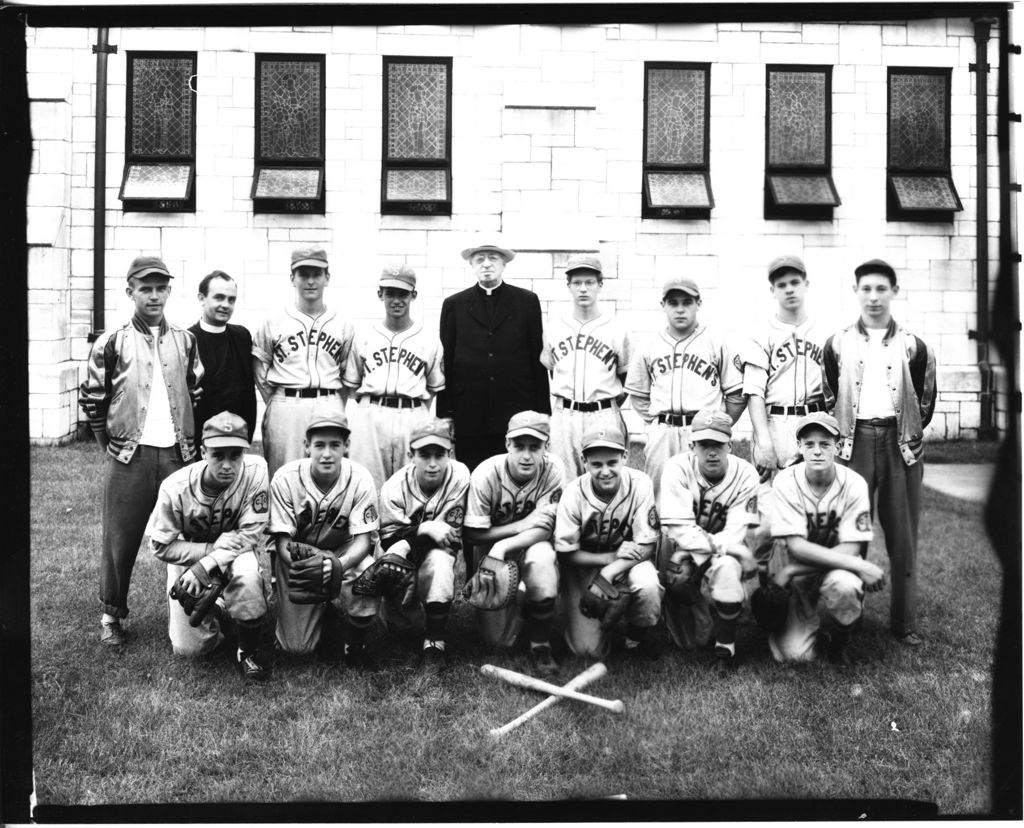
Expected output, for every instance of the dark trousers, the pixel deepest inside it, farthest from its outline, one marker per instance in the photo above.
(129, 495)
(876, 457)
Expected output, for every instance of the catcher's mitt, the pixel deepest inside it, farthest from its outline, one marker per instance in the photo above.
(493, 585)
(301, 551)
(308, 583)
(197, 607)
(682, 579)
(770, 607)
(604, 601)
(388, 574)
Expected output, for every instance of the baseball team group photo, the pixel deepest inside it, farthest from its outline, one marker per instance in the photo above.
(564, 412)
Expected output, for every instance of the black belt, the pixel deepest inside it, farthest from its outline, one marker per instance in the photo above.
(393, 402)
(310, 392)
(796, 409)
(586, 406)
(878, 421)
(677, 419)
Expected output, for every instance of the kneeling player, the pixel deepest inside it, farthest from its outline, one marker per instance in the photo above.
(323, 512)
(510, 516)
(606, 533)
(209, 518)
(422, 507)
(822, 513)
(708, 502)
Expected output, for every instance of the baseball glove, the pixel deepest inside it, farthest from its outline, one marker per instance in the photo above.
(604, 601)
(197, 607)
(493, 585)
(770, 607)
(307, 583)
(388, 574)
(301, 551)
(682, 579)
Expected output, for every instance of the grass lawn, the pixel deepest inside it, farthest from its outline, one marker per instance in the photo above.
(140, 726)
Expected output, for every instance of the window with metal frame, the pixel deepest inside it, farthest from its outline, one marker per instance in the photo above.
(676, 176)
(160, 133)
(798, 143)
(919, 183)
(416, 165)
(289, 134)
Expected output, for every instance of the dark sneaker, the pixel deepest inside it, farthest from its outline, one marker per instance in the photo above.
(835, 651)
(543, 661)
(434, 662)
(359, 659)
(911, 639)
(253, 667)
(723, 662)
(112, 633)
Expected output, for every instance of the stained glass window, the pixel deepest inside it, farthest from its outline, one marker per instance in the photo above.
(798, 143)
(676, 181)
(160, 126)
(416, 155)
(920, 184)
(290, 139)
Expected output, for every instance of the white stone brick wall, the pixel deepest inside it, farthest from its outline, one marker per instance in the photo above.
(547, 147)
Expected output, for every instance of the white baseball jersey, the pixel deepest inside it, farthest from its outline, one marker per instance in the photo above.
(685, 375)
(404, 505)
(841, 515)
(302, 351)
(782, 363)
(724, 509)
(184, 511)
(495, 499)
(586, 358)
(327, 520)
(587, 523)
(388, 363)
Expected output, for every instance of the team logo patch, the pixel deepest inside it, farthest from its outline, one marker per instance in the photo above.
(259, 502)
(556, 495)
(652, 518)
(864, 522)
(737, 362)
(455, 516)
(752, 505)
(370, 514)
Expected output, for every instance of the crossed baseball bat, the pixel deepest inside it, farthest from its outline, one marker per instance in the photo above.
(556, 693)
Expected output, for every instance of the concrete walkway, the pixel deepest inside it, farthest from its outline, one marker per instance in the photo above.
(967, 481)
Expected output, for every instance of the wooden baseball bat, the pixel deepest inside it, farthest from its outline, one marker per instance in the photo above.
(591, 674)
(531, 683)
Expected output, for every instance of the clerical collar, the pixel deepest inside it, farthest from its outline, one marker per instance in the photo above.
(206, 326)
(489, 291)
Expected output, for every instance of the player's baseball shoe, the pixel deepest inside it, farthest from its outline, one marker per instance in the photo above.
(647, 649)
(357, 658)
(543, 661)
(434, 662)
(112, 633)
(253, 667)
(911, 639)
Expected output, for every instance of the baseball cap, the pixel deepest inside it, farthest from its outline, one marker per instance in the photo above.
(327, 419)
(143, 266)
(680, 283)
(784, 264)
(225, 429)
(532, 423)
(399, 276)
(432, 432)
(820, 419)
(604, 437)
(489, 242)
(876, 266)
(312, 256)
(711, 424)
(583, 263)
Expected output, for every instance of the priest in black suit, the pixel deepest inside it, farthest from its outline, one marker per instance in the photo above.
(226, 353)
(492, 339)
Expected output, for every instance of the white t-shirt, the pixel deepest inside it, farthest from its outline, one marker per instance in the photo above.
(158, 429)
(875, 397)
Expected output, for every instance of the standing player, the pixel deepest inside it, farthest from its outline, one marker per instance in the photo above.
(513, 498)
(821, 512)
(684, 368)
(422, 508)
(298, 356)
(209, 519)
(587, 353)
(395, 368)
(708, 504)
(323, 509)
(883, 379)
(606, 532)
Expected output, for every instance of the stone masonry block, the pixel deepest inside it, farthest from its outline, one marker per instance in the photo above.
(860, 44)
(688, 31)
(526, 176)
(958, 380)
(926, 32)
(48, 267)
(952, 275)
(820, 33)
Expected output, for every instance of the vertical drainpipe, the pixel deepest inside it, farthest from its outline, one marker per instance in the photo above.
(982, 26)
(99, 221)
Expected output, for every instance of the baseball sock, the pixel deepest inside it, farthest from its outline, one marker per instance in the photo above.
(539, 615)
(358, 626)
(107, 618)
(436, 619)
(248, 634)
(634, 635)
(437, 643)
(725, 623)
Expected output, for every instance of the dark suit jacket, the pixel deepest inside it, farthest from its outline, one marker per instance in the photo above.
(231, 387)
(491, 364)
